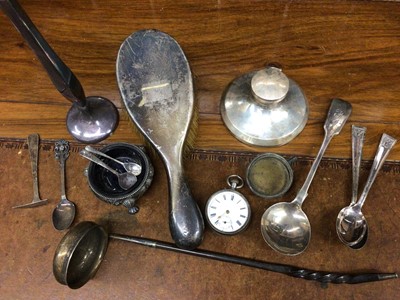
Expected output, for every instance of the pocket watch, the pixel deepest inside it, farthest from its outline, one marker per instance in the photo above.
(228, 211)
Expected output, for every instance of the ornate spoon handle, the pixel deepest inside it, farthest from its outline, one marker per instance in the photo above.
(357, 142)
(385, 145)
(61, 151)
(90, 156)
(33, 146)
(338, 113)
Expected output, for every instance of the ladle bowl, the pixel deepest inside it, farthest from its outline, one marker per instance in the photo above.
(79, 254)
(286, 228)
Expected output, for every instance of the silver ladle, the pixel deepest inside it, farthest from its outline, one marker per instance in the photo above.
(90, 119)
(351, 223)
(284, 226)
(130, 167)
(64, 213)
(125, 180)
(81, 251)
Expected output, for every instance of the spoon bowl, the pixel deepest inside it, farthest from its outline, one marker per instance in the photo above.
(351, 225)
(358, 245)
(63, 214)
(286, 228)
(126, 180)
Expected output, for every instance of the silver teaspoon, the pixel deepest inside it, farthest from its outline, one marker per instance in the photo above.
(64, 213)
(352, 225)
(125, 180)
(357, 142)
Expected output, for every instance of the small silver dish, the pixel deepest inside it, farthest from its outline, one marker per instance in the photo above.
(105, 185)
(269, 175)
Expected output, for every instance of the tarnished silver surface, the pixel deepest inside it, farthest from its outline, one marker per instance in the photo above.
(351, 225)
(33, 147)
(79, 254)
(269, 175)
(156, 87)
(264, 108)
(284, 226)
(107, 189)
(64, 213)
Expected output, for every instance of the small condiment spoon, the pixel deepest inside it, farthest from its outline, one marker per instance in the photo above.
(130, 167)
(284, 226)
(352, 226)
(64, 213)
(125, 180)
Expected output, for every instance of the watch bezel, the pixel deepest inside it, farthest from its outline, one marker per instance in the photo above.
(245, 224)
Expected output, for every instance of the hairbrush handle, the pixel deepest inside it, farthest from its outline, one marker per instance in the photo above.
(323, 277)
(185, 219)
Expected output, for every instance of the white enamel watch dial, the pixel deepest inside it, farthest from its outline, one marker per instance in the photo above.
(228, 211)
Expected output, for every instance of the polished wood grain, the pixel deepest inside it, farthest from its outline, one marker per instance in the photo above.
(332, 49)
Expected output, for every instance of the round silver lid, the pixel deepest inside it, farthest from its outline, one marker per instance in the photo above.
(264, 108)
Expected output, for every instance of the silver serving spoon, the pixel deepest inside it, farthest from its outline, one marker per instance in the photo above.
(64, 213)
(130, 167)
(284, 226)
(125, 180)
(357, 139)
(352, 225)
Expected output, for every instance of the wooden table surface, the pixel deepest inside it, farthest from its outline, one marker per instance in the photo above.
(345, 49)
